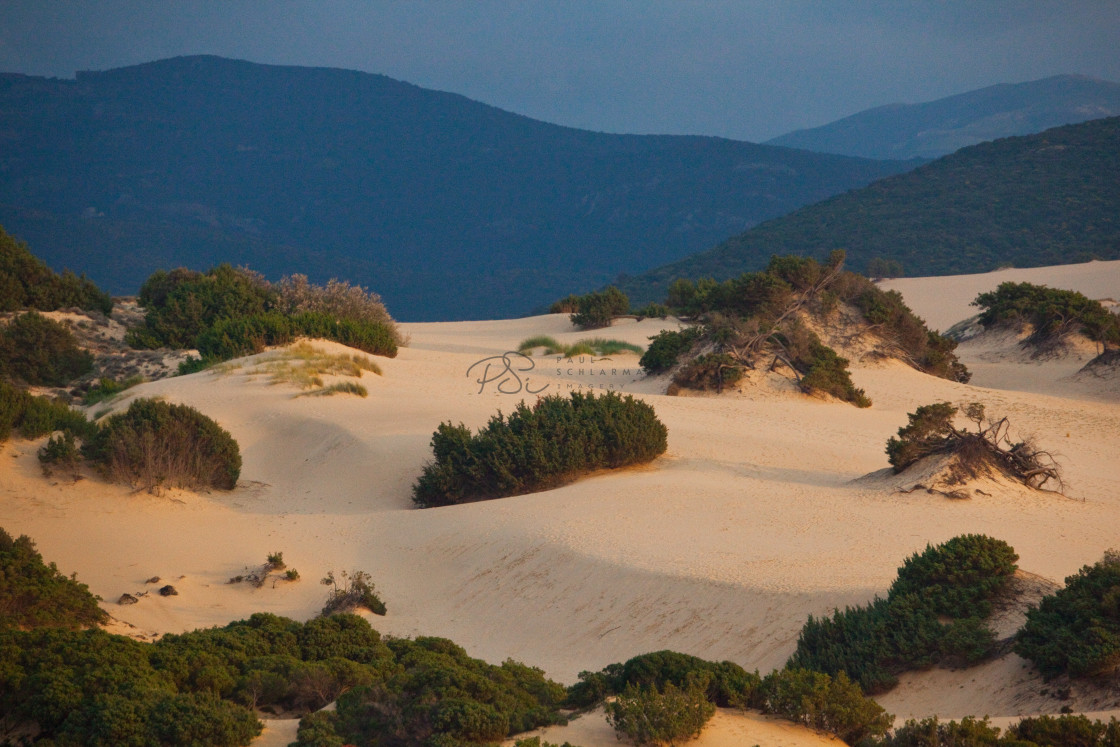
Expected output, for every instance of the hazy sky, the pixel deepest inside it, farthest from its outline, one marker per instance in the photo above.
(750, 70)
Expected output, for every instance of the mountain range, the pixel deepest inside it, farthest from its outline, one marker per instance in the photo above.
(1046, 199)
(447, 207)
(937, 128)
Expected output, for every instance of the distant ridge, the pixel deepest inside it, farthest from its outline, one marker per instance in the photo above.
(937, 128)
(449, 208)
(1046, 199)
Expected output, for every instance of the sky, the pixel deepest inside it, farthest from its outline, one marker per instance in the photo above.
(745, 69)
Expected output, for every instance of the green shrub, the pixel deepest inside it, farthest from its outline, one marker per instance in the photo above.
(106, 388)
(597, 309)
(354, 591)
(926, 432)
(652, 311)
(155, 444)
(649, 716)
(1076, 630)
(826, 372)
(35, 595)
(539, 447)
(666, 347)
(1052, 313)
(567, 305)
(709, 372)
(728, 684)
(60, 453)
(832, 704)
(1066, 731)
(27, 283)
(182, 304)
(40, 351)
(34, 417)
(932, 732)
(872, 644)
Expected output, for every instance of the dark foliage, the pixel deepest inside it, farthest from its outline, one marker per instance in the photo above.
(930, 430)
(926, 432)
(1036, 731)
(27, 283)
(824, 371)
(61, 454)
(35, 595)
(1076, 631)
(182, 304)
(40, 351)
(437, 695)
(833, 704)
(539, 447)
(727, 684)
(904, 631)
(661, 716)
(33, 417)
(1052, 313)
(354, 591)
(666, 347)
(709, 372)
(226, 313)
(596, 309)
(233, 338)
(155, 443)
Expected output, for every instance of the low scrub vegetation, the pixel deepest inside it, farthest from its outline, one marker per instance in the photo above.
(759, 319)
(652, 716)
(930, 430)
(227, 312)
(597, 309)
(34, 594)
(156, 444)
(353, 591)
(432, 693)
(40, 351)
(1036, 731)
(818, 700)
(597, 346)
(1076, 631)
(539, 447)
(105, 389)
(934, 612)
(35, 416)
(1052, 314)
(27, 283)
(303, 365)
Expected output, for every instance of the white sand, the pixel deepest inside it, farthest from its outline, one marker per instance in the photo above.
(721, 548)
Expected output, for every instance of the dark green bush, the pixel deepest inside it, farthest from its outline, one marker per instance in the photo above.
(649, 716)
(1076, 630)
(27, 283)
(832, 704)
(61, 453)
(1052, 313)
(35, 595)
(932, 732)
(106, 388)
(41, 351)
(666, 347)
(354, 591)
(926, 432)
(872, 644)
(155, 444)
(826, 372)
(728, 684)
(652, 311)
(596, 309)
(437, 695)
(567, 305)
(958, 577)
(539, 447)
(709, 372)
(34, 417)
(1065, 731)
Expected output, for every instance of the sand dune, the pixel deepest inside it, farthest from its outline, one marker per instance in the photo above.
(755, 518)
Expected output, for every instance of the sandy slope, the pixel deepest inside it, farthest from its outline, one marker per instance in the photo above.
(752, 520)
